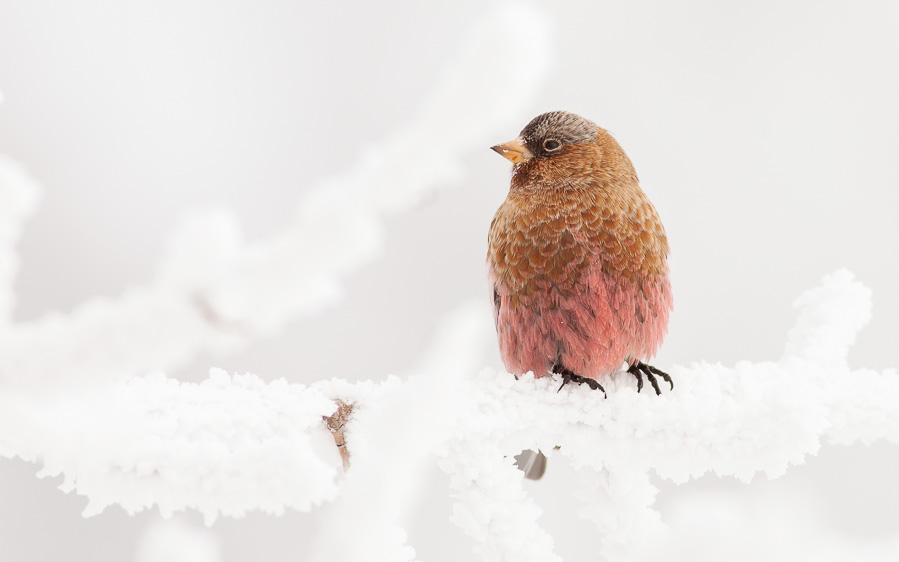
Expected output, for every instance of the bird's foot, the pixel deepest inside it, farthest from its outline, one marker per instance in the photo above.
(639, 368)
(569, 377)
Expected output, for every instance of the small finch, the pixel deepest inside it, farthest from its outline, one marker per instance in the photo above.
(577, 258)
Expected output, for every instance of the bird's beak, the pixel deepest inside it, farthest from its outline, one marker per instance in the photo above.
(514, 151)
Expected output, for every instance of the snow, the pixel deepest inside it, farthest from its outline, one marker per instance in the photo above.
(19, 196)
(224, 446)
(397, 425)
(742, 420)
(235, 443)
(817, 335)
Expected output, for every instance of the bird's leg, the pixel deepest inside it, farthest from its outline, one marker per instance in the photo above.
(639, 368)
(568, 377)
(636, 372)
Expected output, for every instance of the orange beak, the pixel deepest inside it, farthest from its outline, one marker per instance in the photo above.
(513, 151)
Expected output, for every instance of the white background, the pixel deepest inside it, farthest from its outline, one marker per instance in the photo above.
(765, 133)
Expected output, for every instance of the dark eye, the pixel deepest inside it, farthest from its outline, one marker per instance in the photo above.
(551, 144)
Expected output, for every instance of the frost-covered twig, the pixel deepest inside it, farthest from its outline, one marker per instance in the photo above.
(741, 420)
(18, 199)
(225, 446)
(214, 290)
(393, 443)
(235, 443)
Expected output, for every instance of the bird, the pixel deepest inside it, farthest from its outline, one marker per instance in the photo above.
(577, 258)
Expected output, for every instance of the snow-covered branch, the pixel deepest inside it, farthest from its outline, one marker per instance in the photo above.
(226, 445)
(18, 199)
(235, 443)
(214, 290)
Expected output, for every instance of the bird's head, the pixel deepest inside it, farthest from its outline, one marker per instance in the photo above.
(548, 136)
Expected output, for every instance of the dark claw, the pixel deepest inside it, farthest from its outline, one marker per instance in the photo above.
(662, 374)
(640, 368)
(653, 382)
(569, 377)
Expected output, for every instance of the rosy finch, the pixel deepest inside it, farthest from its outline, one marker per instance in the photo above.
(577, 258)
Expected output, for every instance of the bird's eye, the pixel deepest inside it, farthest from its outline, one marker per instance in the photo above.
(551, 144)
